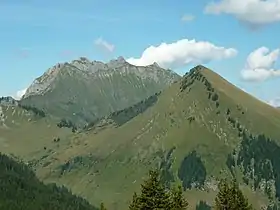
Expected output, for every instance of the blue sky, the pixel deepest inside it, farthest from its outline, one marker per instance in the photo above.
(37, 34)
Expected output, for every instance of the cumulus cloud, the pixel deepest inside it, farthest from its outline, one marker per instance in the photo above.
(275, 102)
(181, 53)
(187, 17)
(19, 94)
(253, 12)
(260, 65)
(100, 42)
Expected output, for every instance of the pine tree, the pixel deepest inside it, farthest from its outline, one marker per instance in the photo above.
(202, 205)
(102, 207)
(178, 202)
(230, 197)
(135, 202)
(153, 195)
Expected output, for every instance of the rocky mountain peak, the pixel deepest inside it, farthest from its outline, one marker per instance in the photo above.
(58, 65)
(121, 59)
(84, 59)
(8, 100)
(96, 69)
(115, 63)
(155, 64)
(82, 63)
(197, 69)
(42, 83)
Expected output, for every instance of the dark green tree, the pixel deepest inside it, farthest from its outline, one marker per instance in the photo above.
(134, 205)
(102, 207)
(230, 197)
(153, 195)
(21, 189)
(202, 205)
(192, 170)
(178, 202)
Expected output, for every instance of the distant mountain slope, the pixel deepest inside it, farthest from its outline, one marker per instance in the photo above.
(20, 189)
(190, 130)
(26, 130)
(82, 91)
(199, 129)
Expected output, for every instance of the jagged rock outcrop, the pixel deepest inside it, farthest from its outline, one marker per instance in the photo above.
(8, 101)
(84, 90)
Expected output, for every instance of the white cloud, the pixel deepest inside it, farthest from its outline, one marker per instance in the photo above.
(275, 102)
(181, 53)
(187, 18)
(254, 12)
(19, 94)
(260, 65)
(104, 44)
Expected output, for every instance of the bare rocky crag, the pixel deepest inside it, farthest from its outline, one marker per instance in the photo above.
(84, 90)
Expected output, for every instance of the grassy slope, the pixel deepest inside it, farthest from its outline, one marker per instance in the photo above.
(257, 112)
(25, 135)
(126, 152)
(115, 160)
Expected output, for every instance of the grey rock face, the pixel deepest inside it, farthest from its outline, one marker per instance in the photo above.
(95, 69)
(84, 90)
(42, 84)
(8, 101)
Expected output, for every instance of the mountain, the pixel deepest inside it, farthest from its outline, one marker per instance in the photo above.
(20, 189)
(82, 91)
(8, 101)
(197, 131)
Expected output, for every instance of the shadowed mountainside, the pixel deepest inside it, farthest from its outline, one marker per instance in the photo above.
(20, 189)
